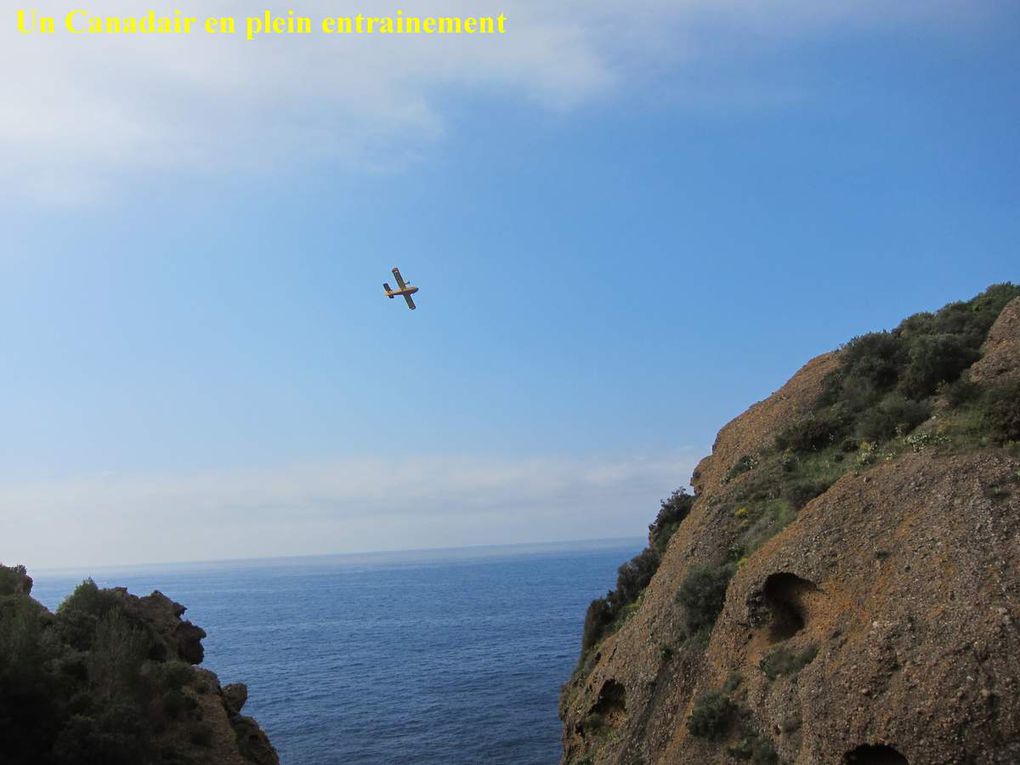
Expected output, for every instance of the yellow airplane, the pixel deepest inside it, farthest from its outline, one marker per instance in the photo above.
(406, 290)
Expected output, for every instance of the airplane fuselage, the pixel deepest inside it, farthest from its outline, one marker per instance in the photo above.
(408, 290)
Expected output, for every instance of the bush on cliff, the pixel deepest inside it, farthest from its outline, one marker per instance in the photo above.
(711, 716)
(13, 579)
(783, 660)
(81, 686)
(703, 594)
(886, 381)
(672, 511)
(885, 386)
(633, 576)
(1002, 412)
(80, 613)
(894, 414)
(30, 684)
(815, 431)
(722, 714)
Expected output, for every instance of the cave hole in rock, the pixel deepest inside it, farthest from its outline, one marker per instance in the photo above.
(784, 597)
(870, 754)
(612, 702)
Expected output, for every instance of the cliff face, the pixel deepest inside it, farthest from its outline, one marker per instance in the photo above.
(109, 678)
(872, 620)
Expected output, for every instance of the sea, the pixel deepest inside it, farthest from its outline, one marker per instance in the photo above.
(438, 656)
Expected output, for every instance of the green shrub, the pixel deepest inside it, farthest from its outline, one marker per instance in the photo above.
(1002, 412)
(88, 598)
(114, 735)
(762, 520)
(732, 683)
(783, 660)
(597, 622)
(800, 491)
(745, 463)
(78, 629)
(12, 579)
(633, 576)
(717, 714)
(21, 633)
(869, 364)
(80, 613)
(817, 430)
(115, 661)
(974, 317)
(631, 579)
(754, 748)
(171, 675)
(934, 359)
(672, 512)
(30, 691)
(703, 594)
(894, 415)
(711, 716)
(925, 353)
(961, 392)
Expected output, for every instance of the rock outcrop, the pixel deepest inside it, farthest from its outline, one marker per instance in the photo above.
(881, 624)
(110, 678)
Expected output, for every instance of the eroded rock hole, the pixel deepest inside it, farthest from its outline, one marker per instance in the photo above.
(612, 702)
(784, 596)
(868, 754)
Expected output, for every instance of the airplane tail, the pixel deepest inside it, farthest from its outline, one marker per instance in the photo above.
(388, 290)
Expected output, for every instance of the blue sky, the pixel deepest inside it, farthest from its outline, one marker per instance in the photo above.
(617, 253)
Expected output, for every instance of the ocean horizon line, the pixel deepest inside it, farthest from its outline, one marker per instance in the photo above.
(411, 555)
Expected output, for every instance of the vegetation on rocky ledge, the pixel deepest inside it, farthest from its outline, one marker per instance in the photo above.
(605, 614)
(109, 678)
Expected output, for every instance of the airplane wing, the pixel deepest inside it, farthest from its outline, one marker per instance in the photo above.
(410, 303)
(399, 278)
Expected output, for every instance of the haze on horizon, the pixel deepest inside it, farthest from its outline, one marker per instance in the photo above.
(627, 226)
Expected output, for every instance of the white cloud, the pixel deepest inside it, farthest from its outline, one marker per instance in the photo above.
(83, 114)
(347, 505)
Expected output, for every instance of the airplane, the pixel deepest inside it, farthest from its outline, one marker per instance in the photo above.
(406, 290)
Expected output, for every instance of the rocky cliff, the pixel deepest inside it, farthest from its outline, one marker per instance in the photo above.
(109, 679)
(844, 587)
